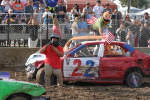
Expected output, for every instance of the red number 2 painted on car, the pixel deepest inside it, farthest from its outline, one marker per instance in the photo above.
(76, 69)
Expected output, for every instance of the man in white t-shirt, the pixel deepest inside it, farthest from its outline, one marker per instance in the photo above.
(98, 9)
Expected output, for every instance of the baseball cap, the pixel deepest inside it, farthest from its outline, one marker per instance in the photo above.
(98, 1)
(107, 4)
(87, 3)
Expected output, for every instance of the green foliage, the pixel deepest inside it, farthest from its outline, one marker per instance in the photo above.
(134, 3)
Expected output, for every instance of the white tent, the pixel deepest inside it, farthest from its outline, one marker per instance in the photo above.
(131, 9)
(142, 12)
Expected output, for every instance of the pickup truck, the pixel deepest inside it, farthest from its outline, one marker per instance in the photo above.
(99, 62)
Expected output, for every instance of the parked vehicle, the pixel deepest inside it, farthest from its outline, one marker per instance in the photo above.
(11, 89)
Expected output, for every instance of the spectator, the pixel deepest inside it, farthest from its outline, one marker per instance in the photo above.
(18, 7)
(87, 10)
(6, 4)
(67, 21)
(37, 2)
(53, 52)
(107, 9)
(121, 33)
(75, 27)
(130, 38)
(98, 9)
(145, 19)
(134, 29)
(51, 5)
(33, 39)
(148, 42)
(145, 35)
(41, 8)
(11, 16)
(75, 11)
(82, 25)
(60, 10)
(28, 11)
(127, 21)
(37, 15)
(45, 19)
(56, 27)
(115, 21)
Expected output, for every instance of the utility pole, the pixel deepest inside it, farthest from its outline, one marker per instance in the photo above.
(129, 4)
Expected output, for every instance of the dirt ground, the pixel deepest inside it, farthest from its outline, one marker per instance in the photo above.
(88, 91)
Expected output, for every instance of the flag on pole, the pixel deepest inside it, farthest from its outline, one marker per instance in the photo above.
(91, 19)
(110, 37)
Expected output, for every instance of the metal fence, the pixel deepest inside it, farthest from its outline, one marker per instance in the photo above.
(14, 30)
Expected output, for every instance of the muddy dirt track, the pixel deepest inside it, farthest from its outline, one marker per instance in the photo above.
(89, 91)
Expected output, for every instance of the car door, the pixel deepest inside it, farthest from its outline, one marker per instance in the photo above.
(85, 63)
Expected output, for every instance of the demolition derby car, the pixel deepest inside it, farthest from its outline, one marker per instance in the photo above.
(11, 89)
(99, 62)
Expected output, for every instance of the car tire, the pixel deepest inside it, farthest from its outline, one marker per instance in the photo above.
(40, 77)
(18, 98)
(134, 80)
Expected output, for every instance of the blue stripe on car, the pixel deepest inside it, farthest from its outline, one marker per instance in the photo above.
(75, 50)
(130, 48)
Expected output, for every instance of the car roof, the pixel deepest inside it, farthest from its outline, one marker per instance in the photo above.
(86, 37)
(103, 41)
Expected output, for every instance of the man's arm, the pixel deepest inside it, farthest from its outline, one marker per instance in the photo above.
(43, 49)
(101, 31)
(29, 22)
(129, 33)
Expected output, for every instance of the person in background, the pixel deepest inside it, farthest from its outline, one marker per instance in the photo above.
(37, 2)
(18, 7)
(24, 2)
(134, 29)
(37, 15)
(41, 8)
(130, 38)
(127, 21)
(60, 11)
(145, 35)
(56, 27)
(74, 27)
(87, 10)
(82, 25)
(98, 9)
(53, 52)
(67, 21)
(33, 39)
(148, 42)
(49, 21)
(11, 16)
(7, 5)
(145, 19)
(75, 11)
(121, 33)
(51, 5)
(28, 11)
(107, 9)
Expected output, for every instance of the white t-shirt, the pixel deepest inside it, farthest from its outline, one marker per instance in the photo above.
(98, 10)
(6, 8)
(49, 14)
(74, 32)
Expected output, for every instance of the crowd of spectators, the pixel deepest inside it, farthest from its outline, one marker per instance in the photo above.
(135, 32)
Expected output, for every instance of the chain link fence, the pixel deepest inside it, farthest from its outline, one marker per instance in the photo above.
(15, 31)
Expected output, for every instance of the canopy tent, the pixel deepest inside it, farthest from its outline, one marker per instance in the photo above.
(131, 9)
(82, 4)
(142, 12)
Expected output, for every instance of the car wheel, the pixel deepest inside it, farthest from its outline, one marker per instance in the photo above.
(134, 80)
(18, 98)
(40, 77)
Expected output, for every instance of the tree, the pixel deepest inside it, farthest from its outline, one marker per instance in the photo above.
(134, 3)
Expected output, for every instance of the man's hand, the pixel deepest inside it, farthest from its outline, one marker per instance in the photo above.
(47, 45)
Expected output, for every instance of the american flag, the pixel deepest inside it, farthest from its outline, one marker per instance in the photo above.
(110, 37)
(91, 19)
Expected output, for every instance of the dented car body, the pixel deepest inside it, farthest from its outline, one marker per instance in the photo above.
(99, 62)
